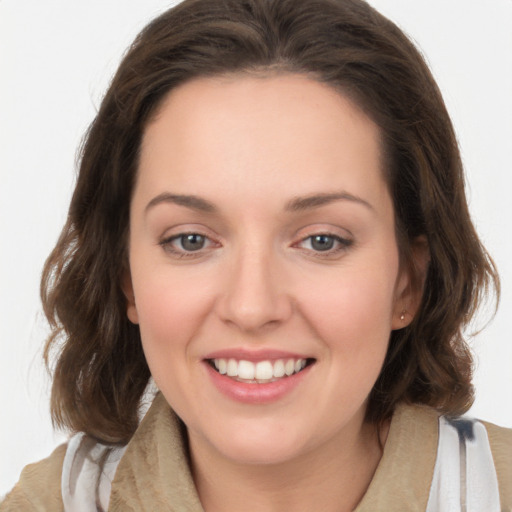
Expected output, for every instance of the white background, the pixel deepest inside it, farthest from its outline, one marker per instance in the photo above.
(56, 59)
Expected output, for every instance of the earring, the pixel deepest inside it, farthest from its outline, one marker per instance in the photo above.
(402, 315)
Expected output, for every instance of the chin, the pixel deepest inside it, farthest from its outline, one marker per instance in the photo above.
(261, 454)
(259, 444)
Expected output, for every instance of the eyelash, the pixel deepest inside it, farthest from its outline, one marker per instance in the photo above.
(342, 244)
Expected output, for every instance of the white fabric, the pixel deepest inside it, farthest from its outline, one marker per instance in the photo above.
(464, 475)
(87, 473)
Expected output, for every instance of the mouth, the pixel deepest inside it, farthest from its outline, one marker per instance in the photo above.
(261, 372)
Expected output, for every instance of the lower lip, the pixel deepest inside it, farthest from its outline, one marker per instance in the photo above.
(256, 393)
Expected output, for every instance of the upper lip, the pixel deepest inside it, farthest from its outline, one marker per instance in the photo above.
(254, 355)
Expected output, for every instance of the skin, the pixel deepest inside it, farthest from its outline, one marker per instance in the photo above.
(249, 146)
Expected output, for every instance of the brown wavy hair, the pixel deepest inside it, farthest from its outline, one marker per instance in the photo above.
(99, 369)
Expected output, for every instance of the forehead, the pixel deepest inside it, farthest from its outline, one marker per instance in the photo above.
(265, 135)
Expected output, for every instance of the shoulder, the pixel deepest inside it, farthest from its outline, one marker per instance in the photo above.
(39, 486)
(473, 466)
(500, 441)
(76, 474)
(443, 460)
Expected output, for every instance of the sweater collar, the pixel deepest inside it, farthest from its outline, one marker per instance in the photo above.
(154, 473)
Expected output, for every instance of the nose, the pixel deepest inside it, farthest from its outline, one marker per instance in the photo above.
(254, 296)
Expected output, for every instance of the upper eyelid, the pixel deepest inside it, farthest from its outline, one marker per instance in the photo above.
(184, 233)
(325, 232)
(191, 229)
(317, 230)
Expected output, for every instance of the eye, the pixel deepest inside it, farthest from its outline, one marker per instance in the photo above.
(186, 244)
(191, 241)
(325, 243)
(322, 242)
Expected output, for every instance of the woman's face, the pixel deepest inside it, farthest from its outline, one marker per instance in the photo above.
(264, 265)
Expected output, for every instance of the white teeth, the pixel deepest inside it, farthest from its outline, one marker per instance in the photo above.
(232, 368)
(261, 371)
(246, 370)
(222, 366)
(264, 370)
(289, 367)
(279, 369)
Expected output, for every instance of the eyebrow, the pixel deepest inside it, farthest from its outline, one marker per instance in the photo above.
(296, 204)
(189, 201)
(318, 200)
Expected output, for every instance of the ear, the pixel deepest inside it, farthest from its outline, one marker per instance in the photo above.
(410, 284)
(127, 287)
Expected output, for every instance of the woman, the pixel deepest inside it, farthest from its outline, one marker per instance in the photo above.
(269, 220)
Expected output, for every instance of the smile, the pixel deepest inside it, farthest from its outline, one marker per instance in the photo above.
(261, 372)
(260, 377)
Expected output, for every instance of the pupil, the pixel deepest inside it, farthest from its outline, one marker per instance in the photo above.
(322, 242)
(192, 242)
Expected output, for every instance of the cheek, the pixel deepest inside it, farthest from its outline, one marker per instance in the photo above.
(353, 311)
(170, 313)
(169, 309)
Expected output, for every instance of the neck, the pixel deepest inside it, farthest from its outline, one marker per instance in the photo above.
(332, 477)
